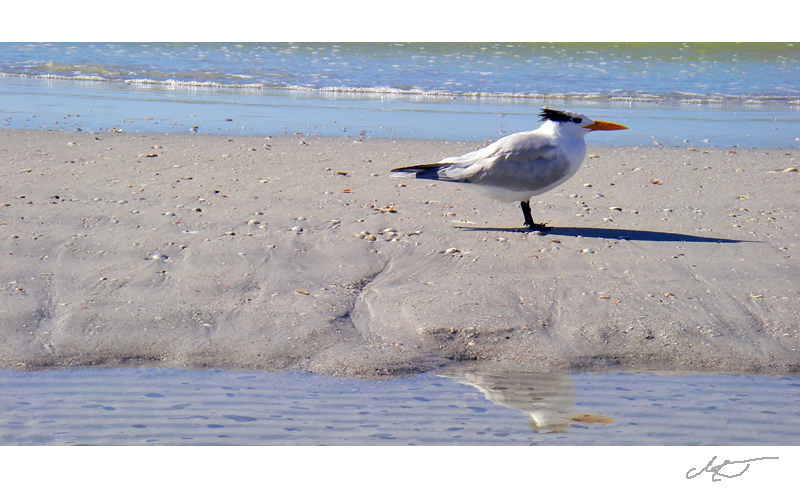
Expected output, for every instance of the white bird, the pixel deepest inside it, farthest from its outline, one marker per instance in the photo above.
(519, 166)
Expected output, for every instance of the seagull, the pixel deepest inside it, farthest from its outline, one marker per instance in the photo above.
(524, 164)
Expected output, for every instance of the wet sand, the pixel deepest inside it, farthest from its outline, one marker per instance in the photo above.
(304, 253)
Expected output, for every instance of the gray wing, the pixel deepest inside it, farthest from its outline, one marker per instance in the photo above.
(521, 161)
(518, 162)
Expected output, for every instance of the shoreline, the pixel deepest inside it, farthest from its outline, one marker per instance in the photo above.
(302, 253)
(74, 106)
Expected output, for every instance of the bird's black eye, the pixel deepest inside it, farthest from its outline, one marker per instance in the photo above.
(577, 120)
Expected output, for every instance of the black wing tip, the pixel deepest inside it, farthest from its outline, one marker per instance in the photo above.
(428, 172)
(419, 168)
(406, 169)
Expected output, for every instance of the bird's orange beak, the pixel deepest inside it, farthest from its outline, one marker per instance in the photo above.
(605, 126)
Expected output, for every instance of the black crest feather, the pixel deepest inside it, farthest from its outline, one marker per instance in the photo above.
(558, 116)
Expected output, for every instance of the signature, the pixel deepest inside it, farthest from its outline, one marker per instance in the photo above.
(716, 470)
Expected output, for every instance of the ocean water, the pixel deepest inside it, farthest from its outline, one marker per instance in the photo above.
(716, 94)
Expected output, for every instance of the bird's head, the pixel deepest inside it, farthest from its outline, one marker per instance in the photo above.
(578, 123)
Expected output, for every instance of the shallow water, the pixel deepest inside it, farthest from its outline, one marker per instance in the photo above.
(95, 107)
(152, 406)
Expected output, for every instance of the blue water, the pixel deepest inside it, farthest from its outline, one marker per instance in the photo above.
(676, 94)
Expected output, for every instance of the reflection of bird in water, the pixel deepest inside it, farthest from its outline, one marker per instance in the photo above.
(549, 399)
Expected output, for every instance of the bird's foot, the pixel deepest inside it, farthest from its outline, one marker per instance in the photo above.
(532, 227)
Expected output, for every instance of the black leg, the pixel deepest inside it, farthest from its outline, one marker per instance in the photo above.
(526, 211)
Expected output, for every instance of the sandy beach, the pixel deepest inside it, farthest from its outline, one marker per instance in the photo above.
(304, 253)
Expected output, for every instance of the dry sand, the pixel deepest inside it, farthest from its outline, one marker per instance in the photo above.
(304, 253)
